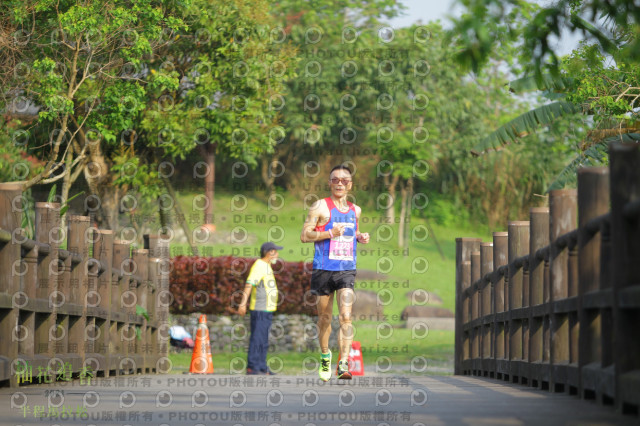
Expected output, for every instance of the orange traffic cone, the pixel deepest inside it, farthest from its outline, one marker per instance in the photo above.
(201, 361)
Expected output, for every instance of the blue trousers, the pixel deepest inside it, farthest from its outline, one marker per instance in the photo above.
(259, 340)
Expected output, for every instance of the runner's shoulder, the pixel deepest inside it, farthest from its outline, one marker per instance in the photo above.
(320, 206)
(357, 209)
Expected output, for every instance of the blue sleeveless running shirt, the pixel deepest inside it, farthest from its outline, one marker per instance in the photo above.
(339, 252)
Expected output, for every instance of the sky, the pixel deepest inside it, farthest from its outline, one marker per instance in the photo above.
(425, 10)
(430, 10)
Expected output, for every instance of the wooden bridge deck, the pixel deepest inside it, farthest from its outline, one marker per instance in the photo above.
(289, 400)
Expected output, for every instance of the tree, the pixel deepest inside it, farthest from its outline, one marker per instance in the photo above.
(405, 129)
(598, 80)
(232, 72)
(69, 61)
(331, 99)
(134, 85)
(486, 24)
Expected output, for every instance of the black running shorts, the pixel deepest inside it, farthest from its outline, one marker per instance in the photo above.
(324, 283)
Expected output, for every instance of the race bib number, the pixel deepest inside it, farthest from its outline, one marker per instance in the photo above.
(341, 246)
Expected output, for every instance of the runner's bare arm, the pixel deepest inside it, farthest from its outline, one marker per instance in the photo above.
(315, 216)
(360, 236)
(309, 233)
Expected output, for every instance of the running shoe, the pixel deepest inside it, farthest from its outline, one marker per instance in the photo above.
(325, 367)
(342, 371)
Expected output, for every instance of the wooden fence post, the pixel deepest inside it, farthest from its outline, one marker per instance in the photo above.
(539, 238)
(78, 332)
(563, 218)
(163, 301)
(607, 314)
(500, 259)
(466, 317)
(103, 253)
(159, 247)
(93, 360)
(518, 247)
(486, 302)
(464, 248)
(154, 289)
(123, 334)
(625, 242)
(475, 300)
(10, 220)
(141, 262)
(593, 201)
(26, 326)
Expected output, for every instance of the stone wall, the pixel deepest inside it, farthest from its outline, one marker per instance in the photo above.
(288, 332)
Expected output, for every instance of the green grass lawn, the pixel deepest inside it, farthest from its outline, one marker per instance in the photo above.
(403, 274)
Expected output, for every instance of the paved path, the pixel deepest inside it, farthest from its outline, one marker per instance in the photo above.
(288, 400)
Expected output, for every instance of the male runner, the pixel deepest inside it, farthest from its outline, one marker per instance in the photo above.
(332, 224)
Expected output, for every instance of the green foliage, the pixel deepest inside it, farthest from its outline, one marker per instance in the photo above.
(599, 79)
(607, 90)
(126, 84)
(331, 99)
(15, 161)
(445, 213)
(546, 82)
(611, 24)
(524, 125)
(142, 311)
(229, 66)
(129, 84)
(595, 155)
(132, 172)
(65, 205)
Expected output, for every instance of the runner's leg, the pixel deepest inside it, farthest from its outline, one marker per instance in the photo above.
(325, 312)
(345, 336)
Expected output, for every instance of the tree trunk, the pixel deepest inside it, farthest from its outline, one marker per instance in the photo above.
(390, 212)
(209, 184)
(266, 172)
(52, 162)
(66, 186)
(403, 208)
(407, 217)
(97, 213)
(98, 178)
(180, 216)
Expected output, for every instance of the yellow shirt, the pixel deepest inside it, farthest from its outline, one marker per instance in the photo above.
(264, 294)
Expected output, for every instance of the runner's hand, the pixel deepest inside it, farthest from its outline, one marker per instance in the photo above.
(242, 310)
(363, 238)
(337, 229)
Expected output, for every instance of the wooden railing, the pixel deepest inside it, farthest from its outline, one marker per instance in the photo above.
(554, 302)
(78, 312)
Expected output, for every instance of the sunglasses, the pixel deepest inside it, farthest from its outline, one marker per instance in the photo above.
(336, 181)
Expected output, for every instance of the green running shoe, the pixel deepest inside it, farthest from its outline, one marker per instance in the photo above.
(325, 367)
(343, 370)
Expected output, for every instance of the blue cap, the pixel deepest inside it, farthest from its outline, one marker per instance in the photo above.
(268, 246)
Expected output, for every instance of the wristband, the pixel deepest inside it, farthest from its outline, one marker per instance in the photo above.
(330, 234)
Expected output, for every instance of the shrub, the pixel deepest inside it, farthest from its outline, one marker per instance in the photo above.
(213, 285)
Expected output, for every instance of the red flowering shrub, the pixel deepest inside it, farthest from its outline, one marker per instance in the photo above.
(213, 285)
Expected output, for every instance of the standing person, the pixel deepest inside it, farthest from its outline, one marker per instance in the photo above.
(261, 286)
(332, 225)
